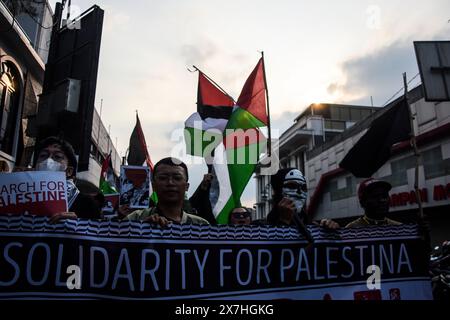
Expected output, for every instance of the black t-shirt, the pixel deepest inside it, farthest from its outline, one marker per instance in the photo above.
(87, 207)
(202, 205)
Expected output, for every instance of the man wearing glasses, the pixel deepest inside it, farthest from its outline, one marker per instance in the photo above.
(56, 154)
(170, 182)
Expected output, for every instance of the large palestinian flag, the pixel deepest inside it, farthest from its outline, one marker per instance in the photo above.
(204, 128)
(237, 156)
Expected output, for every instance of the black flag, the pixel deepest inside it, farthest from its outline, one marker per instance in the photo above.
(138, 152)
(374, 148)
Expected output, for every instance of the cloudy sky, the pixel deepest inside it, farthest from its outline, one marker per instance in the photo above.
(315, 51)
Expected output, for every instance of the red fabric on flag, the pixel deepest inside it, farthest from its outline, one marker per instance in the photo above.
(105, 166)
(209, 94)
(253, 94)
(243, 138)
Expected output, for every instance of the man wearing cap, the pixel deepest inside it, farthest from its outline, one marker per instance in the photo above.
(374, 199)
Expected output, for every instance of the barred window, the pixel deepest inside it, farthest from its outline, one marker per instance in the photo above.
(9, 107)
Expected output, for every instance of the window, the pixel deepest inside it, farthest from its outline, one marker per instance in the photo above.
(299, 162)
(344, 114)
(9, 107)
(334, 125)
(312, 172)
(335, 113)
(398, 169)
(347, 192)
(434, 165)
(355, 114)
(261, 188)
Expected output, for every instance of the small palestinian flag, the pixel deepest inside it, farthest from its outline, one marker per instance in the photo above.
(204, 128)
(107, 179)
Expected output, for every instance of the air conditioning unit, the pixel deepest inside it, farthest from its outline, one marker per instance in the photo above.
(64, 98)
(67, 96)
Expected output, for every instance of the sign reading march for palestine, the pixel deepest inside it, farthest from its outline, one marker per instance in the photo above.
(132, 260)
(38, 193)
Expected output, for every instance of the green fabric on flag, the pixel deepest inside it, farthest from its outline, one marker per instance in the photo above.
(224, 215)
(106, 188)
(242, 119)
(107, 184)
(201, 143)
(154, 198)
(241, 159)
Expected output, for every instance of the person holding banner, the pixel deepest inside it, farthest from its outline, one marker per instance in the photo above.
(89, 202)
(289, 200)
(374, 199)
(241, 216)
(56, 154)
(4, 167)
(170, 183)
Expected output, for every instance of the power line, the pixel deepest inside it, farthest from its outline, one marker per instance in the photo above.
(400, 90)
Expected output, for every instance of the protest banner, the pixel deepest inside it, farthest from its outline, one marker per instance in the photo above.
(38, 193)
(135, 186)
(132, 260)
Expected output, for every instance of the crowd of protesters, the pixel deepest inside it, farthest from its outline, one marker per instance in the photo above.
(170, 182)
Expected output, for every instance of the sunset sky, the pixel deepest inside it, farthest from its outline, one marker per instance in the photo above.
(315, 51)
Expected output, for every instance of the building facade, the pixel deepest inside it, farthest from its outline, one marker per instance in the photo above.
(332, 191)
(25, 38)
(23, 54)
(101, 146)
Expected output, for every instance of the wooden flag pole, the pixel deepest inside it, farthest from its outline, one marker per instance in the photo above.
(98, 131)
(269, 141)
(422, 219)
(415, 149)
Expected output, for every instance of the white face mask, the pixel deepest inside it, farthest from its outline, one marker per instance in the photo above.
(50, 165)
(299, 198)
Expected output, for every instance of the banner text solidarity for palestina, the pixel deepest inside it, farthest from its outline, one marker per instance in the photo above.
(132, 260)
(39, 193)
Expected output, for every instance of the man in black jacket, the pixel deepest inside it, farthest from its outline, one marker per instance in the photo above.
(289, 200)
(200, 200)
